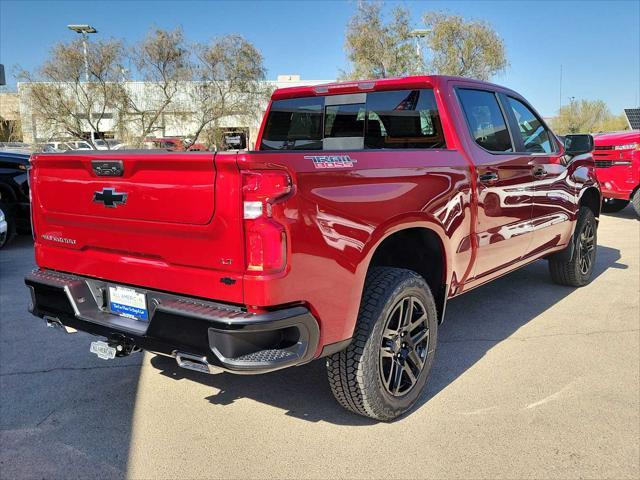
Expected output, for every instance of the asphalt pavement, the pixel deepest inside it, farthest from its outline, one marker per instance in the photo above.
(531, 380)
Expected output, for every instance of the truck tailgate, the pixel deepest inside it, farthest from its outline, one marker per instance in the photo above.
(162, 220)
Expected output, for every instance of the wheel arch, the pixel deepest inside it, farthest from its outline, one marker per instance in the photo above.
(416, 246)
(591, 198)
(7, 194)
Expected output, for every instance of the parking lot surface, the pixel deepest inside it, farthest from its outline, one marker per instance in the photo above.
(531, 380)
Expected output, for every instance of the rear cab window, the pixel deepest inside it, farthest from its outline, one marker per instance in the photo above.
(294, 124)
(376, 120)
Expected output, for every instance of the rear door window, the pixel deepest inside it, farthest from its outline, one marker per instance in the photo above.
(485, 119)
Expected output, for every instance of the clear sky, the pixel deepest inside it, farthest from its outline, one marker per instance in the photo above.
(596, 42)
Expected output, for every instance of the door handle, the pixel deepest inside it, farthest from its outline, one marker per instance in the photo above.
(489, 177)
(539, 172)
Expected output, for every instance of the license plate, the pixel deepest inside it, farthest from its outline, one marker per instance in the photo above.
(128, 302)
(103, 350)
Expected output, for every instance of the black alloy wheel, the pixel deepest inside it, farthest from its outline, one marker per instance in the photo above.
(586, 248)
(405, 343)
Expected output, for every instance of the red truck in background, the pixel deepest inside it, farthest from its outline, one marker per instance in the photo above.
(365, 208)
(617, 157)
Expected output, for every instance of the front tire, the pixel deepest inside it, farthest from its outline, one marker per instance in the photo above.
(384, 370)
(578, 270)
(612, 205)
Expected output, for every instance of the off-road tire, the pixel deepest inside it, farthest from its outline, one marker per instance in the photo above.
(571, 273)
(11, 224)
(355, 374)
(635, 201)
(613, 205)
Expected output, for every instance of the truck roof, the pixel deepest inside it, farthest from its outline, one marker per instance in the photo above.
(362, 86)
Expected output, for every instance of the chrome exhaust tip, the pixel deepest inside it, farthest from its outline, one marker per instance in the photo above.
(54, 322)
(195, 363)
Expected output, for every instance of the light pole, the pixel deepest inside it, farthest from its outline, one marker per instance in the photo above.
(419, 34)
(84, 30)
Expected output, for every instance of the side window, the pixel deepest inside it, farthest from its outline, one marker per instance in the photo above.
(534, 135)
(294, 124)
(403, 119)
(486, 122)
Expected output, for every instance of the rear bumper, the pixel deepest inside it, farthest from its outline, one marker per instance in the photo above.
(203, 335)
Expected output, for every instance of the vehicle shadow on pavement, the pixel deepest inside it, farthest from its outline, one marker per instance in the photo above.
(64, 413)
(474, 324)
(628, 212)
(479, 320)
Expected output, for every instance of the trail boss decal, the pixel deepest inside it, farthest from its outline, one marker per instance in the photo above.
(331, 161)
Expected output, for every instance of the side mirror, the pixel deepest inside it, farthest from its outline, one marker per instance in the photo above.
(578, 144)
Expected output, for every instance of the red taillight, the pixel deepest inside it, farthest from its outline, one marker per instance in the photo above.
(265, 237)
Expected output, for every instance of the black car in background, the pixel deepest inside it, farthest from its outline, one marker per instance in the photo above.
(14, 194)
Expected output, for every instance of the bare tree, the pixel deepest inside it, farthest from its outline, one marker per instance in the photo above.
(59, 95)
(194, 86)
(229, 82)
(163, 61)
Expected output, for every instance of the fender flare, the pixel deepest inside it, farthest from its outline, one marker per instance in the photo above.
(398, 224)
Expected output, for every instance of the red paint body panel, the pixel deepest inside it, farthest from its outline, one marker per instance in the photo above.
(182, 228)
(173, 233)
(618, 170)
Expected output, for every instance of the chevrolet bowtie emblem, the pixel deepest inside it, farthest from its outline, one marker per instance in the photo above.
(110, 198)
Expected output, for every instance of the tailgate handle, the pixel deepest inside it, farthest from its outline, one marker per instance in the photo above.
(108, 168)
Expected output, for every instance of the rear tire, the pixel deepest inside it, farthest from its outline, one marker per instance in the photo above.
(612, 205)
(635, 201)
(577, 272)
(384, 370)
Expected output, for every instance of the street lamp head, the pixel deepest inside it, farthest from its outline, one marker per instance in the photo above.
(420, 32)
(82, 28)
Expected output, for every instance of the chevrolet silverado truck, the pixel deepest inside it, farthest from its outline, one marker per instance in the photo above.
(365, 208)
(617, 157)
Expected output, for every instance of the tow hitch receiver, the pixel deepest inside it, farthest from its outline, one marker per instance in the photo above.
(115, 346)
(103, 350)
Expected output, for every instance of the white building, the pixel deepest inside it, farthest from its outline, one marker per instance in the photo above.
(177, 121)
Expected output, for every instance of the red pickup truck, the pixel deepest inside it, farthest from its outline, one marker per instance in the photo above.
(617, 157)
(365, 208)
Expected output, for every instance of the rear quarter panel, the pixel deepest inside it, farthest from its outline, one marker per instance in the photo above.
(337, 217)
